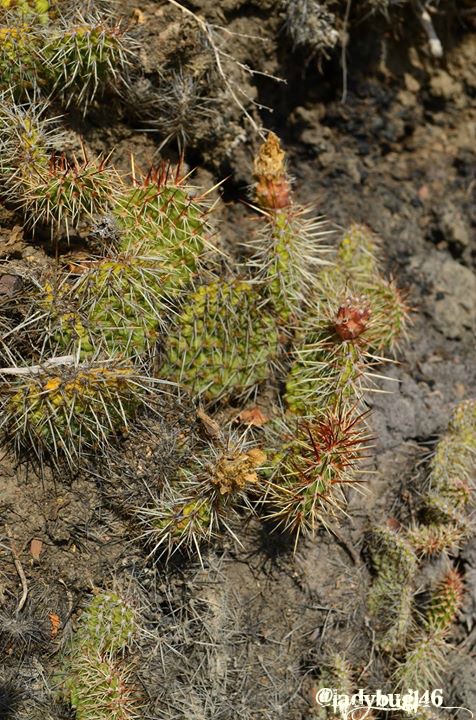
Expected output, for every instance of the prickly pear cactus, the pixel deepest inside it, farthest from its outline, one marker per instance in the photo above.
(179, 519)
(288, 250)
(123, 303)
(67, 411)
(83, 59)
(159, 219)
(95, 680)
(311, 470)
(203, 497)
(225, 341)
(356, 314)
(445, 601)
(67, 193)
(18, 62)
(107, 625)
(390, 599)
(426, 656)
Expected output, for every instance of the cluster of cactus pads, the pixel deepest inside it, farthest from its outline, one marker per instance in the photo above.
(153, 306)
(416, 638)
(147, 302)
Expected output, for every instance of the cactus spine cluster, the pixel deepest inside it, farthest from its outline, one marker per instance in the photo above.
(74, 58)
(66, 411)
(225, 343)
(357, 316)
(203, 498)
(425, 657)
(95, 678)
(312, 470)
(390, 598)
(421, 655)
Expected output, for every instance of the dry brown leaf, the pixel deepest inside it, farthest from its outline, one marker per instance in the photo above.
(55, 621)
(138, 16)
(36, 547)
(211, 426)
(253, 416)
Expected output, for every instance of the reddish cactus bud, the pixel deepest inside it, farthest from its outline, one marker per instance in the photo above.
(446, 600)
(273, 189)
(352, 318)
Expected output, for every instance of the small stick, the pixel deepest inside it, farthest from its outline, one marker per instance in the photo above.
(436, 48)
(34, 369)
(21, 575)
(345, 42)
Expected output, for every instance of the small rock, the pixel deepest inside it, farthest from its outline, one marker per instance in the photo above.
(10, 285)
(453, 226)
(411, 83)
(444, 86)
(455, 304)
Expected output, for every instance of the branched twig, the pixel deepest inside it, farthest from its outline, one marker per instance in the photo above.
(220, 55)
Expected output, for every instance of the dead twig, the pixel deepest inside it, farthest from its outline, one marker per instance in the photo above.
(21, 575)
(220, 56)
(436, 48)
(345, 42)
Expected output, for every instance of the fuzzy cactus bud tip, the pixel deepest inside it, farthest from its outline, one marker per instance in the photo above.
(352, 318)
(273, 190)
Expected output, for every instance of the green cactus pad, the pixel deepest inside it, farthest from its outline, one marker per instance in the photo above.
(82, 60)
(100, 688)
(288, 254)
(160, 219)
(324, 371)
(445, 601)
(312, 469)
(390, 598)
(224, 343)
(19, 64)
(107, 625)
(27, 138)
(93, 678)
(66, 411)
(358, 254)
(326, 364)
(182, 518)
(453, 463)
(123, 304)
(68, 193)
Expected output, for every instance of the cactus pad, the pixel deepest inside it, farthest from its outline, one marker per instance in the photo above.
(225, 342)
